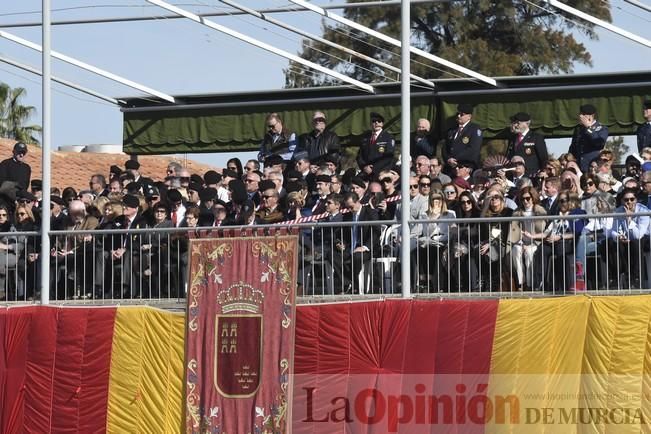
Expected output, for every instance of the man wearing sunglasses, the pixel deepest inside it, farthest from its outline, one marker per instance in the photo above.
(377, 147)
(463, 141)
(319, 142)
(524, 143)
(15, 169)
(278, 140)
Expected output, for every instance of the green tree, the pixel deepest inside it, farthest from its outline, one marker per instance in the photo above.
(14, 116)
(496, 38)
(618, 148)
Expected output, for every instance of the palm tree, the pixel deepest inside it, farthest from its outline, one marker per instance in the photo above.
(13, 116)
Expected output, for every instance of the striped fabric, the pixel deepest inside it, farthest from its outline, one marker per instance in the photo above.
(573, 364)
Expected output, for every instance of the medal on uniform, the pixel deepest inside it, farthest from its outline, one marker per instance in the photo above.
(465, 140)
(381, 149)
(527, 151)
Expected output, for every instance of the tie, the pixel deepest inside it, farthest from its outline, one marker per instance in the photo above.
(459, 131)
(174, 217)
(517, 144)
(373, 138)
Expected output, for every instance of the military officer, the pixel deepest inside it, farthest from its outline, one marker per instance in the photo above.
(589, 137)
(527, 144)
(644, 131)
(463, 141)
(377, 147)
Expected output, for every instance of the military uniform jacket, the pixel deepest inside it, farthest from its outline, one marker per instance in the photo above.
(643, 136)
(379, 154)
(465, 145)
(532, 149)
(586, 140)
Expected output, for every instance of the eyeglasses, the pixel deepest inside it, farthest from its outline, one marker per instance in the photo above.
(465, 202)
(629, 199)
(589, 183)
(377, 121)
(425, 184)
(267, 197)
(527, 198)
(413, 186)
(563, 200)
(271, 127)
(436, 198)
(22, 214)
(387, 180)
(316, 120)
(24, 201)
(3, 215)
(450, 192)
(496, 198)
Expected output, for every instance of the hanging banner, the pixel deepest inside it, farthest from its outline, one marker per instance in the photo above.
(240, 334)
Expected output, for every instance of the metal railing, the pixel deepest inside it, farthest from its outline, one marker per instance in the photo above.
(505, 257)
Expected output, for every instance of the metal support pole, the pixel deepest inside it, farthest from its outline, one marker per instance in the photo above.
(405, 216)
(46, 161)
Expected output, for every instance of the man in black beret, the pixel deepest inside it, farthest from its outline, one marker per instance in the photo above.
(317, 202)
(132, 167)
(57, 217)
(114, 172)
(15, 169)
(526, 144)
(377, 148)
(644, 130)
(177, 208)
(463, 141)
(589, 137)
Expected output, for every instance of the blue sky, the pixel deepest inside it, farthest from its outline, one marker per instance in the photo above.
(182, 57)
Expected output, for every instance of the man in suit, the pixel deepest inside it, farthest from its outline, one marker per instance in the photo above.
(644, 130)
(362, 242)
(552, 185)
(524, 143)
(462, 142)
(377, 148)
(589, 137)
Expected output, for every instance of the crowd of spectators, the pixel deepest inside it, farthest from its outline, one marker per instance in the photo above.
(309, 178)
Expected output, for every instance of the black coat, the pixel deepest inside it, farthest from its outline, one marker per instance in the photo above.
(532, 149)
(379, 154)
(422, 146)
(317, 147)
(16, 171)
(643, 136)
(464, 146)
(368, 236)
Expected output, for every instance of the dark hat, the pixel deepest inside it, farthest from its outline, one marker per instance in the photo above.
(356, 180)
(195, 186)
(151, 191)
(20, 148)
(207, 194)
(58, 200)
(465, 108)
(196, 178)
(24, 194)
(376, 116)
(238, 191)
(230, 173)
(115, 170)
(521, 117)
(211, 177)
(323, 178)
(131, 201)
(133, 187)
(36, 184)
(273, 160)
(330, 158)
(266, 185)
(466, 163)
(633, 159)
(174, 196)
(221, 202)
(131, 165)
(301, 155)
(161, 204)
(587, 109)
(647, 104)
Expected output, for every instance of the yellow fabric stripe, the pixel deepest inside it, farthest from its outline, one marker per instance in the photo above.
(617, 360)
(537, 358)
(147, 372)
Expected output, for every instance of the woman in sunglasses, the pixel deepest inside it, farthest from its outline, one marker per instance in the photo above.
(463, 268)
(431, 245)
(557, 252)
(524, 238)
(493, 239)
(10, 250)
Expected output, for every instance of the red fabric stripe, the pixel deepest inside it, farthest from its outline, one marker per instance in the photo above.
(54, 370)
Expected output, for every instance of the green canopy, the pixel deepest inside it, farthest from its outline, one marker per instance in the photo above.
(235, 122)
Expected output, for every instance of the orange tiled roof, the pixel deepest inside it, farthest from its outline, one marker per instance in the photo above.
(74, 169)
